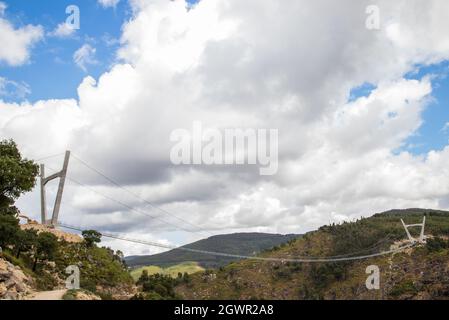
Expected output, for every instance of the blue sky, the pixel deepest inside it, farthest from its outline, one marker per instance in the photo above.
(51, 72)
(433, 134)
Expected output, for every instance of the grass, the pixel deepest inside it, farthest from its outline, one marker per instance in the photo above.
(185, 267)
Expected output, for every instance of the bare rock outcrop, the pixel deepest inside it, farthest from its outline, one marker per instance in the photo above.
(14, 284)
(69, 237)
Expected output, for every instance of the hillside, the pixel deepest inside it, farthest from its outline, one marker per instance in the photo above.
(35, 259)
(237, 243)
(173, 271)
(421, 272)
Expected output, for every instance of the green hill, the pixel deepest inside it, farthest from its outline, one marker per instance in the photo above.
(421, 272)
(237, 243)
(173, 271)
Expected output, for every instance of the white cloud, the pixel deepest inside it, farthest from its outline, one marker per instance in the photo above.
(257, 64)
(108, 3)
(85, 56)
(445, 127)
(13, 89)
(16, 43)
(63, 30)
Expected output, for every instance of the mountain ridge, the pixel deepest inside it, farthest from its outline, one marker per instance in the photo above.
(243, 243)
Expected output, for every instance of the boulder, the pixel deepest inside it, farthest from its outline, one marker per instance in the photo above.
(3, 289)
(14, 284)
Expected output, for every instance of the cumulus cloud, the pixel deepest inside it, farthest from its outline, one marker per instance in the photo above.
(17, 42)
(286, 65)
(85, 56)
(63, 30)
(108, 3)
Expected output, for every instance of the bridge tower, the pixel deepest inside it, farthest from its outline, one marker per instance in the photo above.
(44, 180)
(422, 237)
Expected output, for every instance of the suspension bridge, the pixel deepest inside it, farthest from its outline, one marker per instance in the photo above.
(193, 228)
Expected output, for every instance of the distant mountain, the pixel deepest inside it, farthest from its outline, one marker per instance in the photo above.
(238, 243)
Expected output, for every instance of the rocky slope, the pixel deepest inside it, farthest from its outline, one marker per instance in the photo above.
(68, 237)
(14, 284)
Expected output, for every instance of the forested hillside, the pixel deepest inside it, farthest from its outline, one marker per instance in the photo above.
(421, 272)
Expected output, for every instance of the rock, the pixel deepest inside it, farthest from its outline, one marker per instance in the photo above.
(21, 287)
(82, 295)
(69, 237)
(3, 289)
(14, 284)
(4, 275)
(9, 283)
(10, 296)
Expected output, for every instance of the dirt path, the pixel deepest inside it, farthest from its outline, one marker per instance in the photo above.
(48, 295)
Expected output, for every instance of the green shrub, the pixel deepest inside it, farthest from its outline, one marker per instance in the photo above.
(406, 287)
(436, 244)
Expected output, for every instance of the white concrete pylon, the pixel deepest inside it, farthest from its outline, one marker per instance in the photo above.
(422, 237)
(44, 180)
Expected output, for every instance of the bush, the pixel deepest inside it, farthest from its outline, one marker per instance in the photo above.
(69, 295)
(406, 287)
(436, 244)
(158, 286)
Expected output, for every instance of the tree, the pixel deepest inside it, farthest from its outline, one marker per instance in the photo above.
(9, 227)
(120, 257)
(24, 241)
(45, 248)
(91, 237)
(144, 277)
(17, 176)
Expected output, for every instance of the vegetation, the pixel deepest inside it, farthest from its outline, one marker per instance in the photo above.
(70, 295)
(173, 271)
(159, 286)
(42, 255)
(17, 176)
(437, 244)
(418, 273)
(98, 266)
(91, 237)
(45, 248)
(74, 294)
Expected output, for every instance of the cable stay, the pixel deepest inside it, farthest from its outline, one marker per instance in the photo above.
(148, 203)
